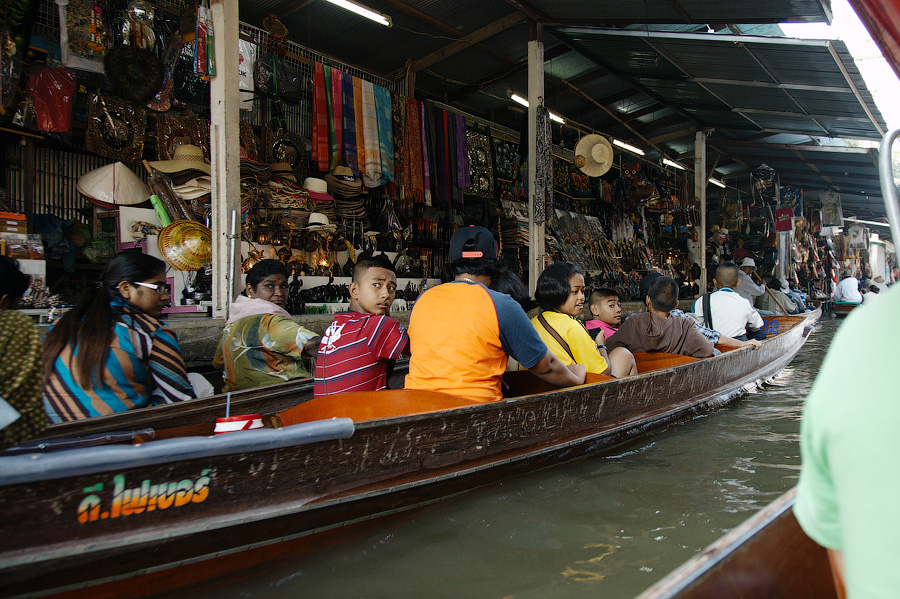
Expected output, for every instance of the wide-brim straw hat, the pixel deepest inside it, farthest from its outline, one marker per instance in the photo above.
(342, 182)
(284, 170)
(319, 222)
(594, 155)
(185, 157)
(186, 245)
(112, 186)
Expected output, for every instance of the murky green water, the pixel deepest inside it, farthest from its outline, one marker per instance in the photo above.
(605, 526)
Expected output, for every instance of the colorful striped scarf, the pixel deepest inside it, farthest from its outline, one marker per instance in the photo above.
(320, 119)
(413, 151)
(349, 125)
(337, 117)
(358, 119)
(385, 132)
(372, 168)
(426, 161)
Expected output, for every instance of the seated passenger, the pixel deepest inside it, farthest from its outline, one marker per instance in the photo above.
(358, 349)
(657, 330)
(462, 333)
(847, 291)
(729, 313)
(712, 335)
(560, 295)
(261, 344)
(606, 312)
(20, 360)
(775, 301)
(111, 353)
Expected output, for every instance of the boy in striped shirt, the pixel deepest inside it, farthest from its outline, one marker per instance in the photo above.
(358, 349)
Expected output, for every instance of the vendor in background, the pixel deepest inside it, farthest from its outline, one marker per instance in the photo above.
(261, 344)
(111, 353)
(20, 359)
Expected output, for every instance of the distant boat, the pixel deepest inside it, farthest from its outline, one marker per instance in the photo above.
(767, 557)
(136, 520)
(842, 309)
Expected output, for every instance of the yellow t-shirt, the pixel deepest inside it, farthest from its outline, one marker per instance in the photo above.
(573, 332)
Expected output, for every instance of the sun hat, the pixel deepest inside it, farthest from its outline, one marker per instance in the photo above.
(284, 170)
(319, 222)
(185, 156)
(748, 262)
(879, 279)
(341, 182)
(473, 242)
(112, 186)
(185, 244)
(317, 189)
(593, 155)
(784, 283)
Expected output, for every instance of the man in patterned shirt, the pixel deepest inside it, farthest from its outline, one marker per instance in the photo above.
(358, 349)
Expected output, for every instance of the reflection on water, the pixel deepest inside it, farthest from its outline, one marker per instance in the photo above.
(605, 526)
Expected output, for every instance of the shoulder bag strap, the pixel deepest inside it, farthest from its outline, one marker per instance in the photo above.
(556, 336)
(707, 312)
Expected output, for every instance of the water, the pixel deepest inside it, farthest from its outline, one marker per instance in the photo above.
(605, 526)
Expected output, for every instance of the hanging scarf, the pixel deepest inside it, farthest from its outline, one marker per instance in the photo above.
(320, 119)
(464, 179)
(349, 125)
(358, 119)
(426, 162)
(385, 132)
(372, 167)
(442, 169)
(413, 151)
(398, 108)
(543, 167)
(337, 116)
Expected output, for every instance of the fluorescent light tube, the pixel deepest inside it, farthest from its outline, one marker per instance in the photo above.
(524, 102)
(364, 11)
(673, 164)
(716, 182)
(628, 147)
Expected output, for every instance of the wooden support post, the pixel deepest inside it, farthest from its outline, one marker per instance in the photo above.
(700, 183)
(225, 150)
(535, 93)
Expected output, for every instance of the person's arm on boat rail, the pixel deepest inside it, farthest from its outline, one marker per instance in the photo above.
(732, 342)
(551, 369)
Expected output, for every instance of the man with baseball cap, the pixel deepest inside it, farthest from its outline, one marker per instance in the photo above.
(462, 333)
(748, 288)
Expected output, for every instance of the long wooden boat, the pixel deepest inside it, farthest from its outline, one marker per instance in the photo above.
(768, 556)
(125, 520)
(842, 309)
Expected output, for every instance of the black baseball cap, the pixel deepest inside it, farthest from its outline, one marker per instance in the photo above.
(473, 242)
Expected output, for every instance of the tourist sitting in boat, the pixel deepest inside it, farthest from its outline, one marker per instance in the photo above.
(847, 291)
(358, 349)
(727, 312)
(462, 333)
(20, 360)
(505, 280)
(111, 353)
(657, 330)
(560, 295)
(775, 300)
(751, 286)
(607, 314)
(261, 344)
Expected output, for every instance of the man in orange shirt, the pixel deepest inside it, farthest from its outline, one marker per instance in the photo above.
(462, 333)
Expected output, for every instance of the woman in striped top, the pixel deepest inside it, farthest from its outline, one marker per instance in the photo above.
(110, 353)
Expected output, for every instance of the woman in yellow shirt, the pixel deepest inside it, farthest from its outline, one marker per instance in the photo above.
(560, 295)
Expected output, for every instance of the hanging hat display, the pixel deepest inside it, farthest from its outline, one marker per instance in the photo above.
(186, 245)
(319, 222)
(317, 189)
(341, 182)
(594, 155)
(186, 157)
(112, 186)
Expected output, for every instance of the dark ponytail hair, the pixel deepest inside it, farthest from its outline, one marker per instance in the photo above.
(89, 325)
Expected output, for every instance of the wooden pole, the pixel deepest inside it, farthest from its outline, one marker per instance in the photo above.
(700, 193)
(535, 93)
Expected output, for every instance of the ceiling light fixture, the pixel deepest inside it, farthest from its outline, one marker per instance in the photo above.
(673, 164)
(628, 147)
(520, 99)
(364, 11)
(716, 182)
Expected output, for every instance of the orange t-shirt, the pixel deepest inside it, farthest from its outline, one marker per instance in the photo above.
(461, 335)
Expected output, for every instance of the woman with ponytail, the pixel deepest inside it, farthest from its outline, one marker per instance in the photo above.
(110, 353)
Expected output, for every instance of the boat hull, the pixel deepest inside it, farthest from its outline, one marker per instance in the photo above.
(259, 498)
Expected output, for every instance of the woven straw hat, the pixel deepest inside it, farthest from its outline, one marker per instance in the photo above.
(112, 186)
(185, 244)
(342, 182)
(317, 189)
(593, 155)
(185, 156)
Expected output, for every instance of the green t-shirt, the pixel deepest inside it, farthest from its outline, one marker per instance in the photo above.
(848, 497)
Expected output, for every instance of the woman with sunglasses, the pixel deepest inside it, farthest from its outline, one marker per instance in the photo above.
(111, 353)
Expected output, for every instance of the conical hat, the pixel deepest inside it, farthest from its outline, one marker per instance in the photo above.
(113, 185)
(593, 155)
(185, 244)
